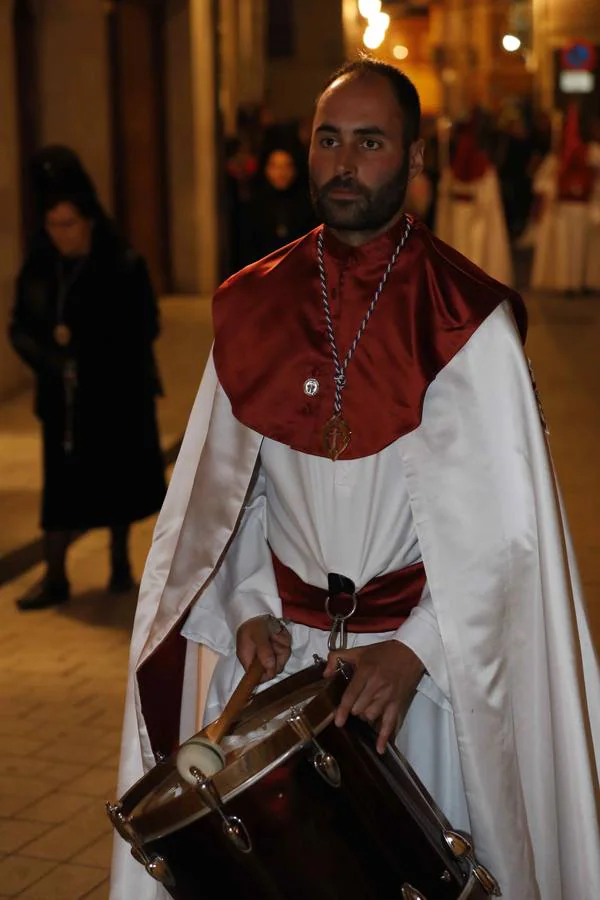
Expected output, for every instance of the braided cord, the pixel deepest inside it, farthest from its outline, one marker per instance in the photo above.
(340, 368)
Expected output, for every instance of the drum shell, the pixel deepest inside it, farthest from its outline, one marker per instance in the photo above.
(361, 841)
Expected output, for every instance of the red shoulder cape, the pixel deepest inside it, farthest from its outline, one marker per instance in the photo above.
(270, 336)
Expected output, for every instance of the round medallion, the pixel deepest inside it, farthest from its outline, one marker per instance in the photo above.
(311, 387)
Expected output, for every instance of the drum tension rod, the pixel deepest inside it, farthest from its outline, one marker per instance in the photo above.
(233, 827)
(324, 763)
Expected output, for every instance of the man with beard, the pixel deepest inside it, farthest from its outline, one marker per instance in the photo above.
(367, 425)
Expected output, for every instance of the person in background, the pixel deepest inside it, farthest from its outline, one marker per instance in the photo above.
(470, 215)
(563, 187)
(513, 160)
(84, 319)
(541, 140)
(280, 209)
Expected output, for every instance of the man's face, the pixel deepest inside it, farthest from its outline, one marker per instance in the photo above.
(68, 230)
(359, 169)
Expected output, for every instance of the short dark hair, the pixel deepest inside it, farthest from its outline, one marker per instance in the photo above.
(404, 90)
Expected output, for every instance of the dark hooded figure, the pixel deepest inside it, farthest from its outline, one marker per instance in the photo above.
(279, 210)
(85, 319)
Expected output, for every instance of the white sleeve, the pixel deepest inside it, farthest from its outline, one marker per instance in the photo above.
(244, 585)
(420, 632)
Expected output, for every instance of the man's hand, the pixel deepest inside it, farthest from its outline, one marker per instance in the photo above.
(385, 679)
(267, 638)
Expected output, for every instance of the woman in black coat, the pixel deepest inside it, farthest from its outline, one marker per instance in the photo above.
(279, 210)
(85, 319)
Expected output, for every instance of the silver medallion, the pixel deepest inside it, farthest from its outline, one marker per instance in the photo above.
(311, 387)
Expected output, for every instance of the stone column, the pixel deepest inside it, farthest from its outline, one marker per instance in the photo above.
(12, 373)
(181, 155)
(203, 38)
(229, 64)
(251, 35)
(73, 84)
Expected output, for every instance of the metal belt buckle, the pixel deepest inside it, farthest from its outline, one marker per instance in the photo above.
(338, 637)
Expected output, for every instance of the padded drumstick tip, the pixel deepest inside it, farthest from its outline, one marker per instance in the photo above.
(198, 753)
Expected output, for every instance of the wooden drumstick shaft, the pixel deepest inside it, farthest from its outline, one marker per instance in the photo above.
(236, 703)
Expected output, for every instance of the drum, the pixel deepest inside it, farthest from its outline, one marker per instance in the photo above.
(302, 809)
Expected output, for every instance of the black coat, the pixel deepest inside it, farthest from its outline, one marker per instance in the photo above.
(102, 458)
(273, 219)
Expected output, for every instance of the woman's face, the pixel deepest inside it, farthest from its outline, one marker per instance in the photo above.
(69, 231)
(280, 170)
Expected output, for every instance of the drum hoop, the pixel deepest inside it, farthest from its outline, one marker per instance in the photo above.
(255, 763)
(248, 768)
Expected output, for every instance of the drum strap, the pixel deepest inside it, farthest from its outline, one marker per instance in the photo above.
(381, 605)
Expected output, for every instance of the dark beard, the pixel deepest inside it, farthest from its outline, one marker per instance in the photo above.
(369, 212)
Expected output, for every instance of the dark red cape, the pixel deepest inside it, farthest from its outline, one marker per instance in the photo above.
(270, 335)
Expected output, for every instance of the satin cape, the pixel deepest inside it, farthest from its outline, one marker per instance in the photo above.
(523, 676)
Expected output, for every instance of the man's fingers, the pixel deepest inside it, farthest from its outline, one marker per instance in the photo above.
(351, 695)
(389, 721)
(282, 639)
(374, 710)
(282, 655)
(267, 656)
(373, 694)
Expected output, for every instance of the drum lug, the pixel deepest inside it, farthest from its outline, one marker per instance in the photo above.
(324, 763)
(159, 870)
(462, 848)
(154, 865)
(487, 880)
(411, 893)
(121, 823)
(233, 827)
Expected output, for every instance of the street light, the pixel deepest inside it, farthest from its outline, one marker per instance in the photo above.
(400, 51)
(373, 37)
(369, 8)
(377, 23)
(511, 43)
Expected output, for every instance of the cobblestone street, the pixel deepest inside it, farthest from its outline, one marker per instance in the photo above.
(63, 671)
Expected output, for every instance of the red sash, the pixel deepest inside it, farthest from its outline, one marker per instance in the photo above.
(382, 605)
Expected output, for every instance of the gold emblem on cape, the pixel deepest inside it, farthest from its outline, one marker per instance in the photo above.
(336, 437)
(62, 335)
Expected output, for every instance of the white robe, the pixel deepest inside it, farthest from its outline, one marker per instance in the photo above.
(475, 227)
(561, 235)
(523, 677)
(351, 516)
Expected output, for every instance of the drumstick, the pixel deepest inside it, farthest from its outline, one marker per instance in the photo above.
(236, 703)
(202, 753)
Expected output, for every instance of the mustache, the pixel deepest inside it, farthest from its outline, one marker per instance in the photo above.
(344, 182)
